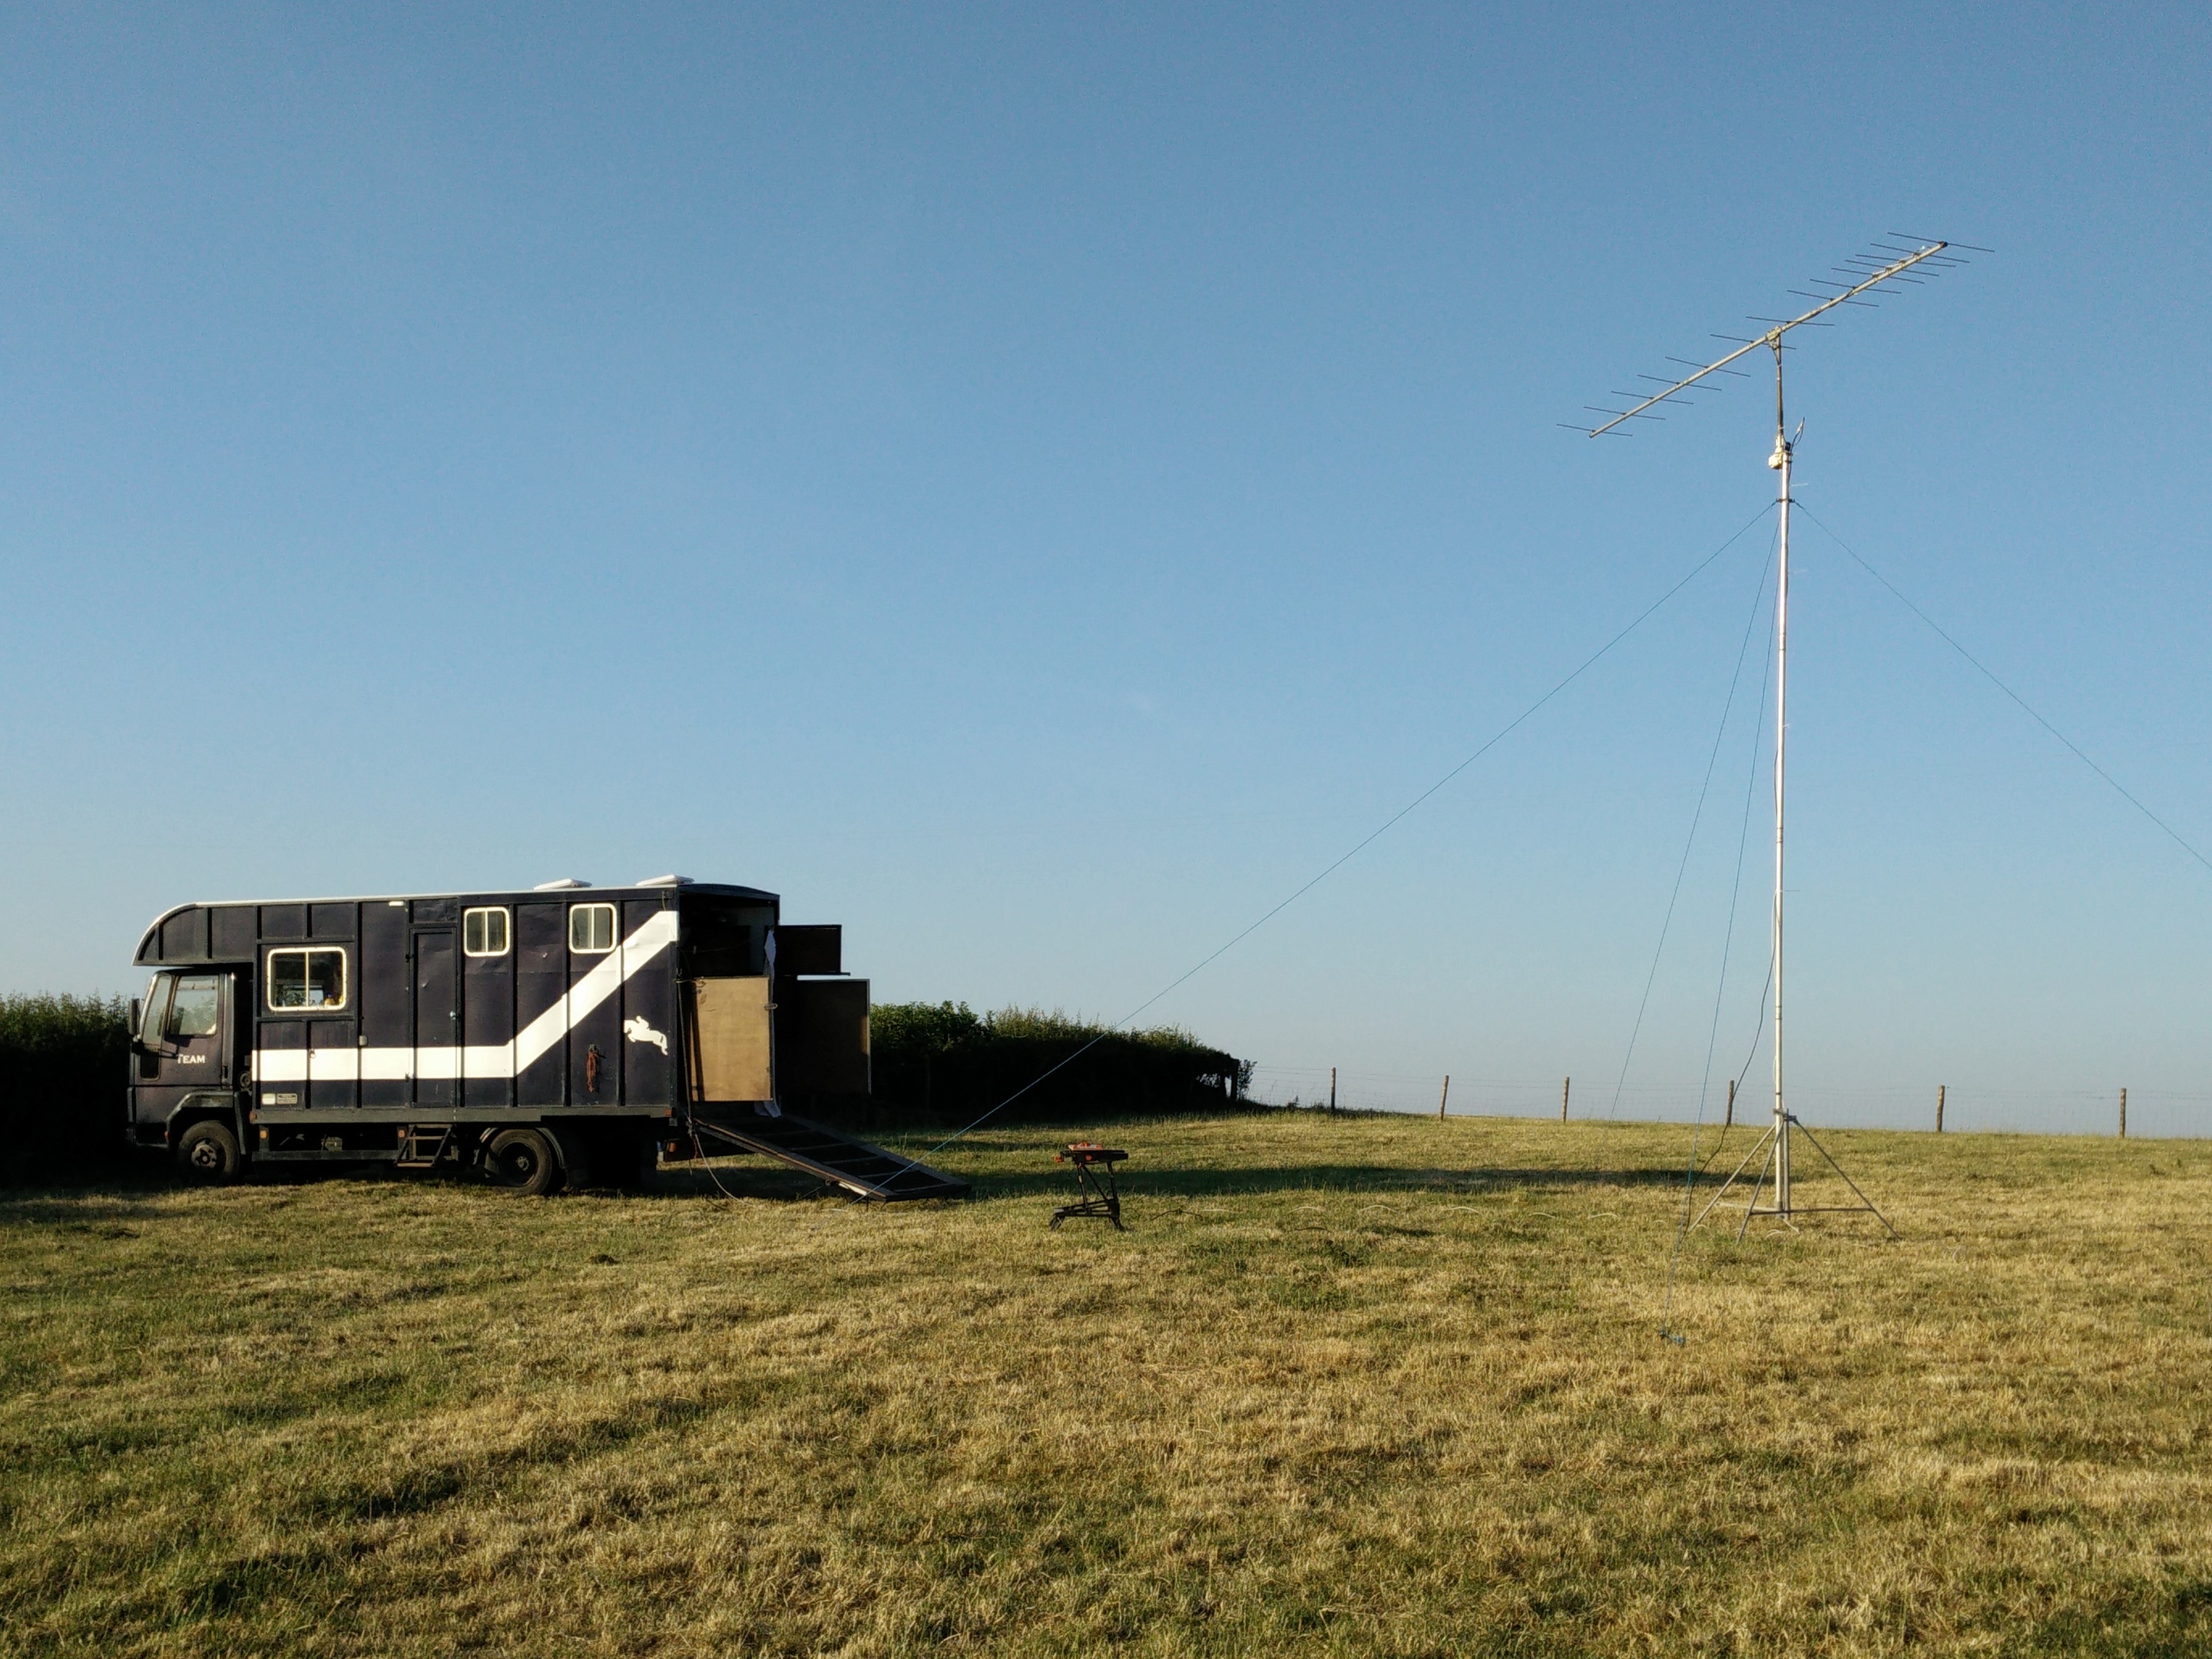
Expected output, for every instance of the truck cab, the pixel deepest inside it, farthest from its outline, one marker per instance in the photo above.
(191, 1035)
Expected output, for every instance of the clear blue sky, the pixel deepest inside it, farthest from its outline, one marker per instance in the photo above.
(1034, 484)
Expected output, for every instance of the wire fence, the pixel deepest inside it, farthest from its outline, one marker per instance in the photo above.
(1967, 1108)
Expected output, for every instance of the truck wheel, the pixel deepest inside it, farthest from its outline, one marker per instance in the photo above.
(208, 1151)
(523, 1161)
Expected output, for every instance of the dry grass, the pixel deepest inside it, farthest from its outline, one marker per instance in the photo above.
(1359, 1385)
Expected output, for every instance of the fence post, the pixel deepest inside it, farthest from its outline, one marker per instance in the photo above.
(1565, 1089)
(2124, 1114)
(1444, 1097)
(1939, 1109)
(1728, 1122)
(1332, 1088)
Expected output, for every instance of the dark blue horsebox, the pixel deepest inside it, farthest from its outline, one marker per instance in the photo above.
(564, 1034)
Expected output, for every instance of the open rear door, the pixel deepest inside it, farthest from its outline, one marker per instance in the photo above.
(730, 1055)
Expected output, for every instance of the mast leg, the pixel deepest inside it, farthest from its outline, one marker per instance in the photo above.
(1759, 1147)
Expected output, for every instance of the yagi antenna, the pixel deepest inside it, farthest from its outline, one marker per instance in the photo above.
(1890, 258)
(1772, 339)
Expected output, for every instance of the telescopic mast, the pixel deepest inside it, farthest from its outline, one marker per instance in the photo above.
(1775, 1141)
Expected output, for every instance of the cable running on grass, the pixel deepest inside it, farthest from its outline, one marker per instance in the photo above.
(1389, 824)
(699, 1153)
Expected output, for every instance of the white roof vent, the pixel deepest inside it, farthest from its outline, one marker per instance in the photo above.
(559, 886)
(665, 881)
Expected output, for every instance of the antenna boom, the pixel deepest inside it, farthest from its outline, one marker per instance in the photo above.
(1773, 335)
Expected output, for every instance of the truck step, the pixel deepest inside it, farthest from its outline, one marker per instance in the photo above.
(420, 1145)
(864, 1170)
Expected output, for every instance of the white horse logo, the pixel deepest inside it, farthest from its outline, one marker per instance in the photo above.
(637, 1031)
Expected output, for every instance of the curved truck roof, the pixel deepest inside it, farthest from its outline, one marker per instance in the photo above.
(189, 932)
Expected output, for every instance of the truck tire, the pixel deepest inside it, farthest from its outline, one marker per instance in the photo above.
(208, 1151)
(523, 1161)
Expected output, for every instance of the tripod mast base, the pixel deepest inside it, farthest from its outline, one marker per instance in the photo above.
(1775, 1144)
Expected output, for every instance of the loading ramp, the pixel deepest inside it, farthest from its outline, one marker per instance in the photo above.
(864, 1170)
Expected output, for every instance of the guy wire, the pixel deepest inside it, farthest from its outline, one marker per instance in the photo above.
(1692, 1169)
(1389, 824)
(1735, 894)
(2072, 747)
(1682, 869)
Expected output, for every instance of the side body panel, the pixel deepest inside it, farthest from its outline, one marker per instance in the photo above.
(435, 1029)
(387, 1000)
(334, 1038)
(595, 1026)
(486, 1012)
(541, 977)
(648, 1033)
(437, 1004)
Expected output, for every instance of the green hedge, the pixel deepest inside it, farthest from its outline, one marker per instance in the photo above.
(943, 1063)
(65, 1066)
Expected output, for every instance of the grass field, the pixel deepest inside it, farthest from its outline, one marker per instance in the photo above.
(1359, 1385)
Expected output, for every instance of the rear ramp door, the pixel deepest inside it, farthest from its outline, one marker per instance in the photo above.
(860, 1168)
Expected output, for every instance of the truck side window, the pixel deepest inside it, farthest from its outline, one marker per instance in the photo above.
(157, 1009)
(484, 933)
(196, 1008)
(307, 979)
(591, 928)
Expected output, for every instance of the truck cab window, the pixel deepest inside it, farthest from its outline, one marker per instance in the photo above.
(484, 933)
(157, 1009)
(307, 979)
(196, 1008)
(591, 928)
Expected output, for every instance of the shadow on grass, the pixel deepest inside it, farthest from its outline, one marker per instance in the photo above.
(131, 1193)
(113, 1192)
(1327, 1178)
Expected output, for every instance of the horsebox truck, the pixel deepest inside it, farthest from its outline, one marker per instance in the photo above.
(561, 1036)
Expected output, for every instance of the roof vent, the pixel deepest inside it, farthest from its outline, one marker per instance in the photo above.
(665, 881)
(559, 886)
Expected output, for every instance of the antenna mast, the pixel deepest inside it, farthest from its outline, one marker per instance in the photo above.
(1888, 264)
(1780, 1131)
